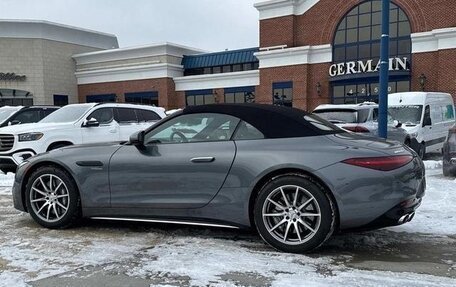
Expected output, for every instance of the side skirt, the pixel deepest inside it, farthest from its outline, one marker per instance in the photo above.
(167, 221)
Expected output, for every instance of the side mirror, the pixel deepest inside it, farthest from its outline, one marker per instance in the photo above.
(427, 122)
(14, 122)
(137, 138)
(91, 123)
(397, 124)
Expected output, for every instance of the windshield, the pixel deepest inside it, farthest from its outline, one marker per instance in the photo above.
(6, 112)
(67, 114)
(339, 116)
(407, 115)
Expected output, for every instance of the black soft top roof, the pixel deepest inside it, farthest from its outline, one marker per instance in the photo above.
(272, 121)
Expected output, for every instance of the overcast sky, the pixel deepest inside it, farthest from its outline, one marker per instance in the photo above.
(212, 25)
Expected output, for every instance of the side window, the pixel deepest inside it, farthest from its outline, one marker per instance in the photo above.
(28, 116)
(204, 127)
(427, 116)
(449, 112)
(375, 115)
(125, 116)
(147, 116)
(246, 131)
(103, 115)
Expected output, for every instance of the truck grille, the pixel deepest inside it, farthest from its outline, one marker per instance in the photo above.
(6, 142)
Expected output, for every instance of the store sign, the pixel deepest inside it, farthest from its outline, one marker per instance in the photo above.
(11, 77)
(362, 67)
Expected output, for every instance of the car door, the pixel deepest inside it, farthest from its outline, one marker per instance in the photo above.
(182, 164)
(107, 129)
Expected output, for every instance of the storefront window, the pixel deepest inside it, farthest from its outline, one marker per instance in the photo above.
(282, 94)
(103, 98)
(60, 100)
(356, 46)
(200, 97)
(240, 95)
(144, 98)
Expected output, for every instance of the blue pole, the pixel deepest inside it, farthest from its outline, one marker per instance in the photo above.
(384, 72)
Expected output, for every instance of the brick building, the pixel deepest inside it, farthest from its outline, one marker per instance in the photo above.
(310, 52)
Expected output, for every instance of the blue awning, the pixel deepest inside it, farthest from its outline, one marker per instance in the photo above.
(220, 58)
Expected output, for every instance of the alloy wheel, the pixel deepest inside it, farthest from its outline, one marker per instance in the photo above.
(291, 214)
(49, 198)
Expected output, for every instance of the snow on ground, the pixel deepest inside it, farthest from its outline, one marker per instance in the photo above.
(437, 213)
(6, 182)
(421, 253)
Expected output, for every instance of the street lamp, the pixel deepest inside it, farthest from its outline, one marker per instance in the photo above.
(318, 86)
(422, 78)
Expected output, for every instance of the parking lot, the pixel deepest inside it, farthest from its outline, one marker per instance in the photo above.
(421, 253)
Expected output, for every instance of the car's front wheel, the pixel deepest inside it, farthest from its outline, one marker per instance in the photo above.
(293, 214)
(52, 198)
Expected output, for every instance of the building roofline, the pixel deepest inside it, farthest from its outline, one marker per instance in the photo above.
(46, 30)
(140, 47)
(33, 21)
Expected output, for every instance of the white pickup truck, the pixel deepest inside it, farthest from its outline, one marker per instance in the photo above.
(74, 124)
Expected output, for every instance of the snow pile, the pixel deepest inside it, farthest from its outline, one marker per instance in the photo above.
(432, 164)
(6, 182)
(209, 262)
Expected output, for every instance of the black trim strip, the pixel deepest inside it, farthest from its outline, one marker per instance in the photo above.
(89, 163)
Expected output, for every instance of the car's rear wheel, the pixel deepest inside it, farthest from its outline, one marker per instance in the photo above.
(52, 198)
(294, 214)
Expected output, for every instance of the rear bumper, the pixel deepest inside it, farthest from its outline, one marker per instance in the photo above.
(373, 199)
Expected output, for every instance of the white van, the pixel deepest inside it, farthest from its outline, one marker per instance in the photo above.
(426, 116)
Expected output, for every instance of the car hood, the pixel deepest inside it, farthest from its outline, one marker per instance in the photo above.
(35, 127)
(371, 143)
(92, 145)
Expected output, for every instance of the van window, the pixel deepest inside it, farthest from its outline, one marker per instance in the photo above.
(449, 112)
(427, 115)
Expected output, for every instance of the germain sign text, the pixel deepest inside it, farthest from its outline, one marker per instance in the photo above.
(360, 67)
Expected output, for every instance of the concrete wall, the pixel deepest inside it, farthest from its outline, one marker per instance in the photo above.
(47, 65)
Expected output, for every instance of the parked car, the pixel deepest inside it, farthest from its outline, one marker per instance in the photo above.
(74, 124)
(426, 116)
(361, 118)
(24, 115)
(294, 177)
(449, 153)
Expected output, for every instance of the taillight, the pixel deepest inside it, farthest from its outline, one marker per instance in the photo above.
(381, 163)
(356, 129)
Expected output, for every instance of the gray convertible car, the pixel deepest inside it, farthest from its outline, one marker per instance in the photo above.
(292, 176)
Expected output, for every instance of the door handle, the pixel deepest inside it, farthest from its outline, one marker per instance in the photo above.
(202, 159)
(113, 131)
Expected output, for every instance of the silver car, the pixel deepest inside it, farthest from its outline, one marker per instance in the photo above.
(293, 177)
(361, 118)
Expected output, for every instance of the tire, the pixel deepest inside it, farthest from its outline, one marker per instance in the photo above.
(422, 150)
(446, 171)
(56, 205)
(282, 215)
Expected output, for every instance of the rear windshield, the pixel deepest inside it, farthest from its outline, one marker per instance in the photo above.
(345, 116)
(322, 125)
